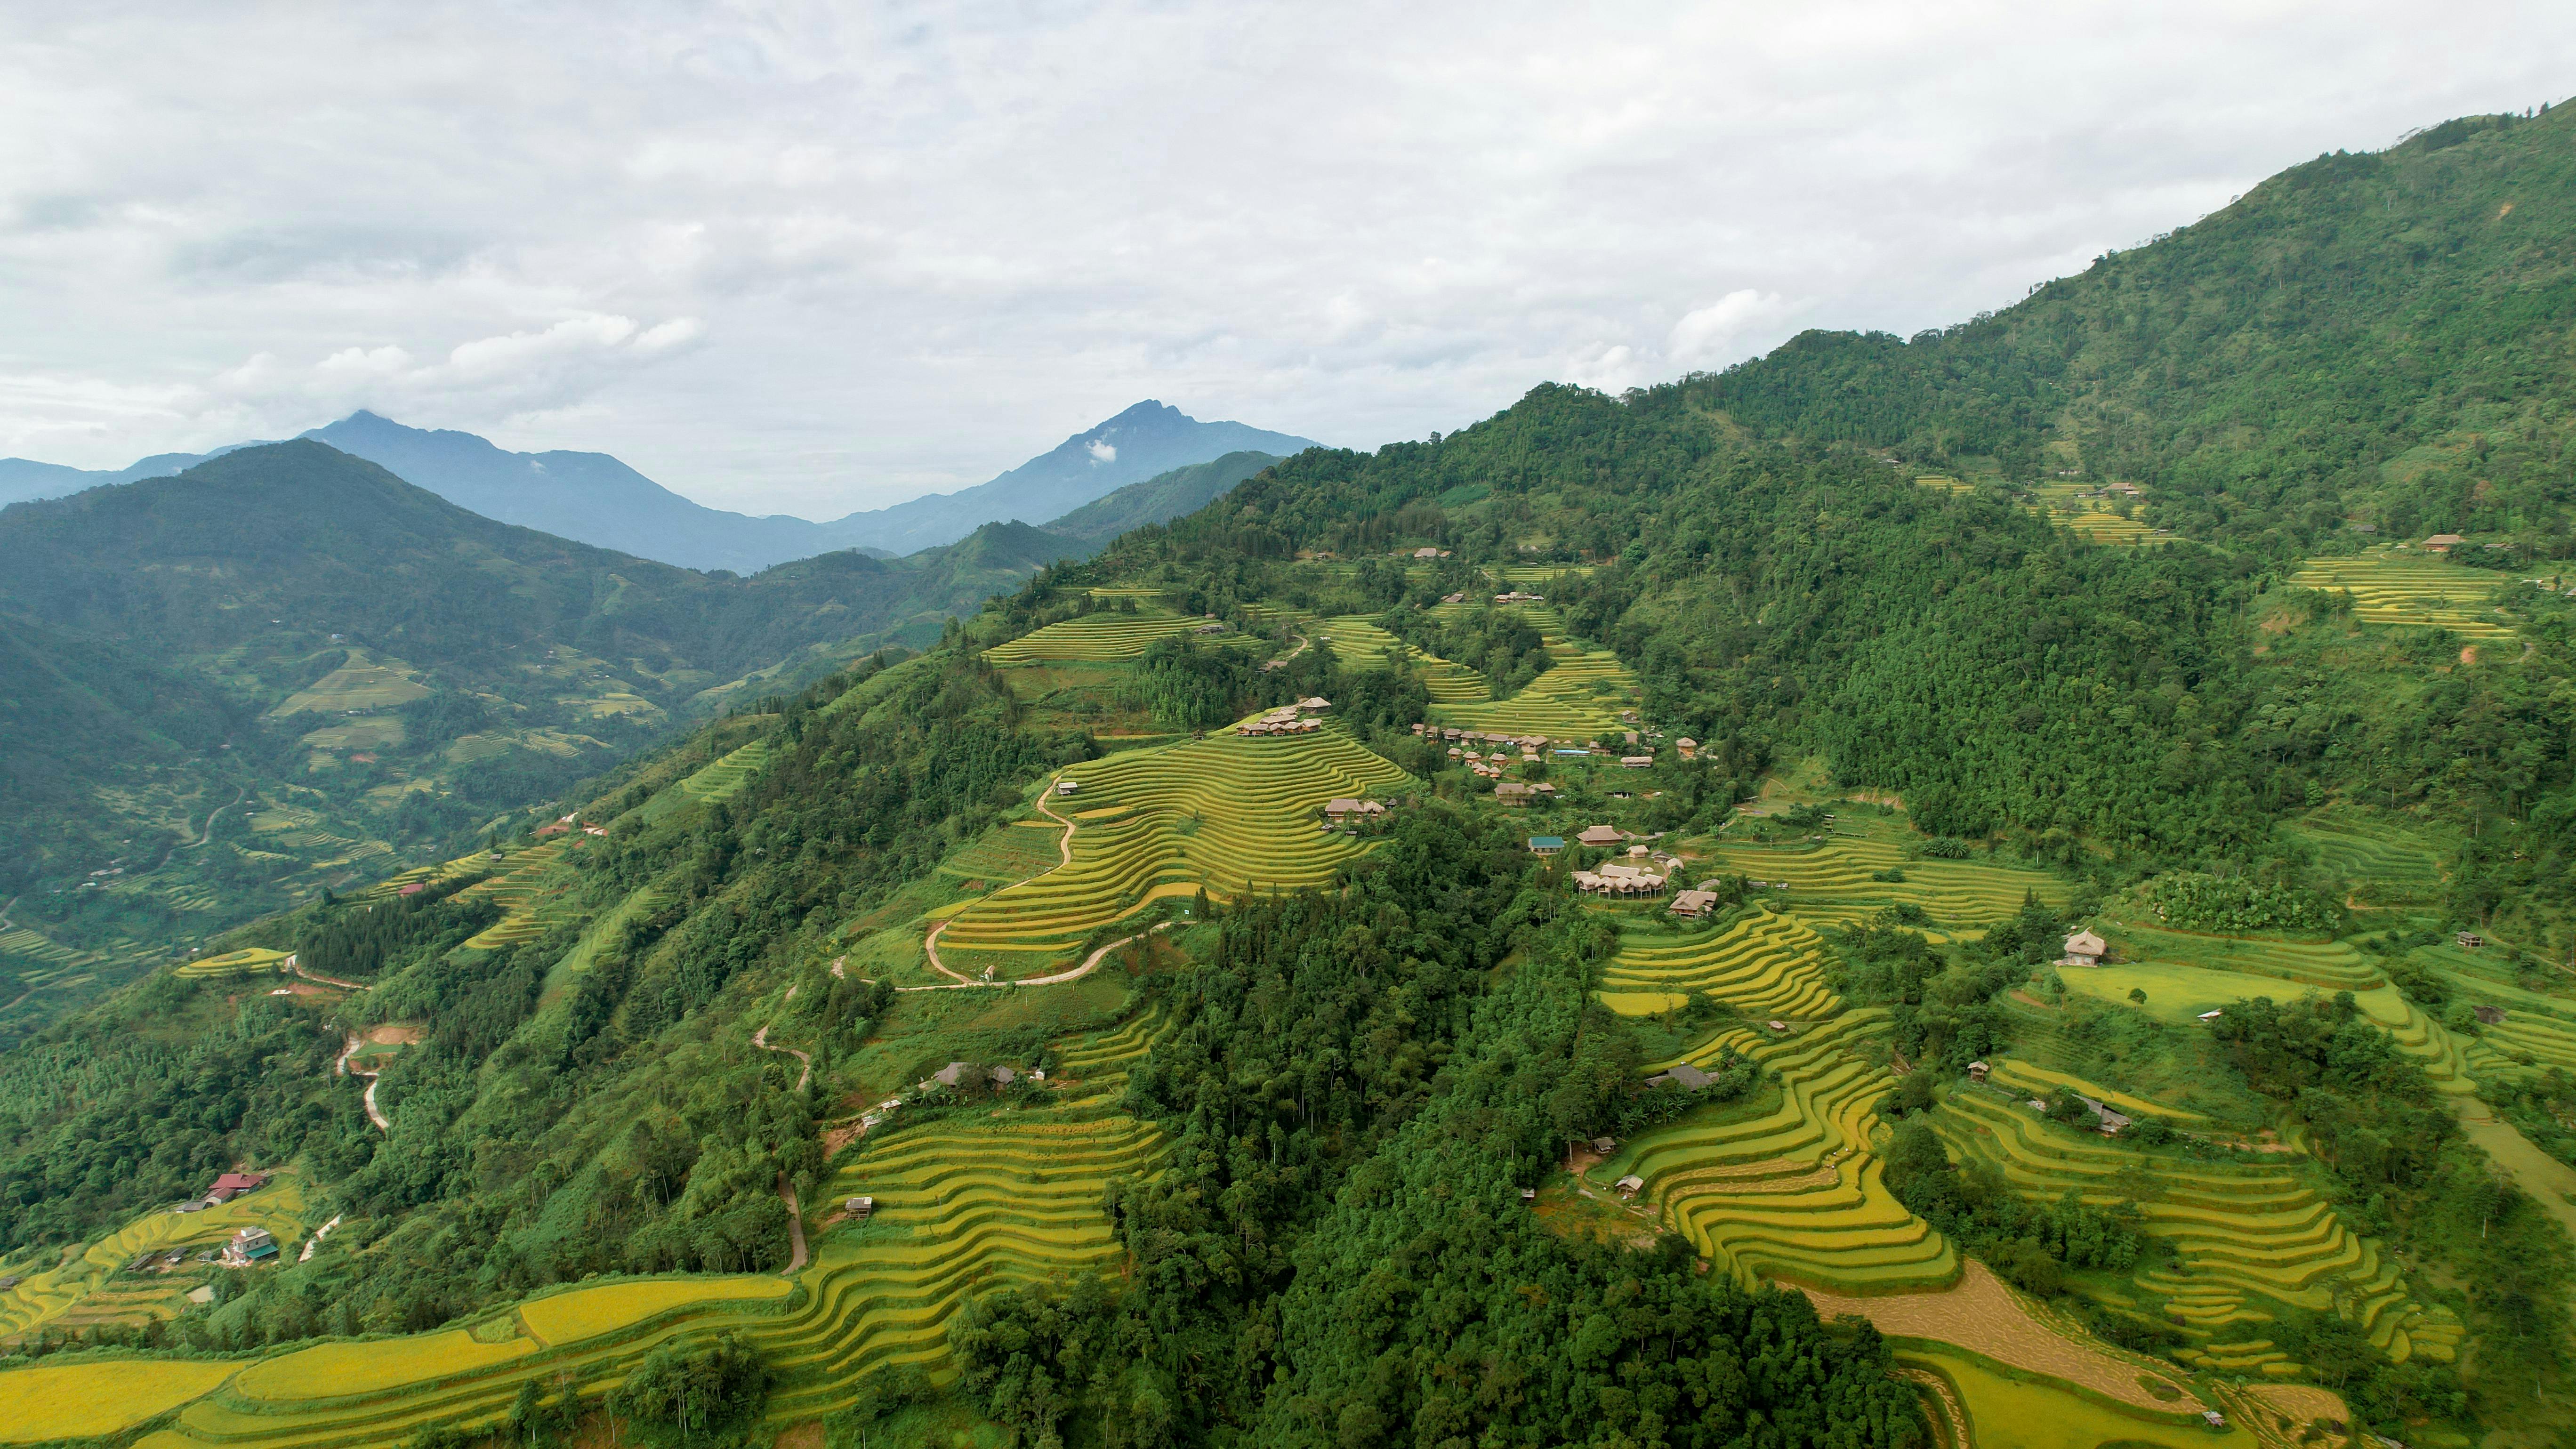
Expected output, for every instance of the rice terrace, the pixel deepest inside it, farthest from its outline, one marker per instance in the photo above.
(2006, 888)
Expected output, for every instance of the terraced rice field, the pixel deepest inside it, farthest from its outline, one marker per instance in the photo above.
(1578, 698)
(724, 778)
(1980, 1314)
(1764, 965)
(43, 1297)
(2379, 863)
(232, 963)
(1829, 881)
(2040, 1081)
(1796, 1194)
(2246, 1240)
(518, 888)
(2026, 1411)
(965, 1203)
(1230, 812)
(2326, 965)
(1358, 642)
(2413, 590)
(1093, 637)
(88, 1400)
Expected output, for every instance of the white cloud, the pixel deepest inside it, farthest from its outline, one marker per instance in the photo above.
(822, 255)
(1103, 451)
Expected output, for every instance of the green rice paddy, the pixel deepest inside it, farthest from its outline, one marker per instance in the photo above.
(1105, 635)
(2415, 590)
(1578, 698)
(2247, 1240)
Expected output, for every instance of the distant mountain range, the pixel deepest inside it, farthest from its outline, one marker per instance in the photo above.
(593, 498)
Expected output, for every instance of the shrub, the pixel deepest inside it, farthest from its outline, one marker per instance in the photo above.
(2200, 902)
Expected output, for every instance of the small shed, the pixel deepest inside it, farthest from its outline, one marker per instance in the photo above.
(1685, 1076)
(1778, 1026)
(2488, 1015)
(860, 1207)
(2211, 1015)
(1067, 787)
(1631, 1185)
(1604, 1145)
(2469, 940)
(2084, 949)
(2444, 542)
(1977, 1071)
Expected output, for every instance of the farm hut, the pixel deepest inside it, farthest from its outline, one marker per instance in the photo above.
(1687, 746)
(1004, 1076)
(1426, 553)
(1210, 627)
(2488, 1015)
(1640, 852)
(1511, 792)
(2444, 542)
(1779, 1026)
(1631, 1185)
(1685, 1076)
(2083, 949)
(250, 1245)
(2469, 940)
(1529, 1194)
(1457, 598)
(2105, 1121)
(2211, 1015)
(1977, 1071)
(2217, 1420)
(950, 1075)
(1602, 835)
(1696, 905)
(1314, 703)
(1546, 844)
(1067, 787)
(1605, 1145)
(1636, 762)
(860, 1207)
(233, 1184)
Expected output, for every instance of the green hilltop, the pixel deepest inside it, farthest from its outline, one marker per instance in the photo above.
(1788, 906)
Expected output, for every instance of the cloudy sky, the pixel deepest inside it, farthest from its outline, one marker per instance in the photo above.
(810, 258)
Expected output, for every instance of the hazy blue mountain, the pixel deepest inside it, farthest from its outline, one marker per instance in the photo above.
(1161, 498)
(593, 498)
(1146, 440)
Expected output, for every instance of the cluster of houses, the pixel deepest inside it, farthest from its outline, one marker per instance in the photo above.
(1290, 719)
(1343, 810)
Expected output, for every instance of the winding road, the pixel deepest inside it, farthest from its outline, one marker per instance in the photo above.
(341, 1067)
(210, 818)
(795, 1227)
(760, 1039)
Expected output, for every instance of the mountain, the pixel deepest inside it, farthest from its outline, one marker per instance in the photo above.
(1161, 498)
(596, 499)
(2366, 338)
(1057, 1055)
(292, 636)
(1146, 440)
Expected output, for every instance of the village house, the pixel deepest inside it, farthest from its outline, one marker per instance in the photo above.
(860, 1208)
(250, 1245)
(1512, 792)
(1636, 762)
(1342, 809)
(1067, 787)
(1697, 905)
(1546, 844)
(1977, 1071)
(2444, 542)
(1314, 704)
(233, 1184)
(1210, 627)
(1685, 1076)
(2083, 949)
(1602, 835)
(1518, 597)
(2469, 940)
(1688, 747)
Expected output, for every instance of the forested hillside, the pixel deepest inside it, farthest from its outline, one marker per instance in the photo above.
(2368, 338)
(1744, 912)
(228, 689)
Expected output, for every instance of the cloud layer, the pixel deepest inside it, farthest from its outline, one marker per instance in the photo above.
(810, 258)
